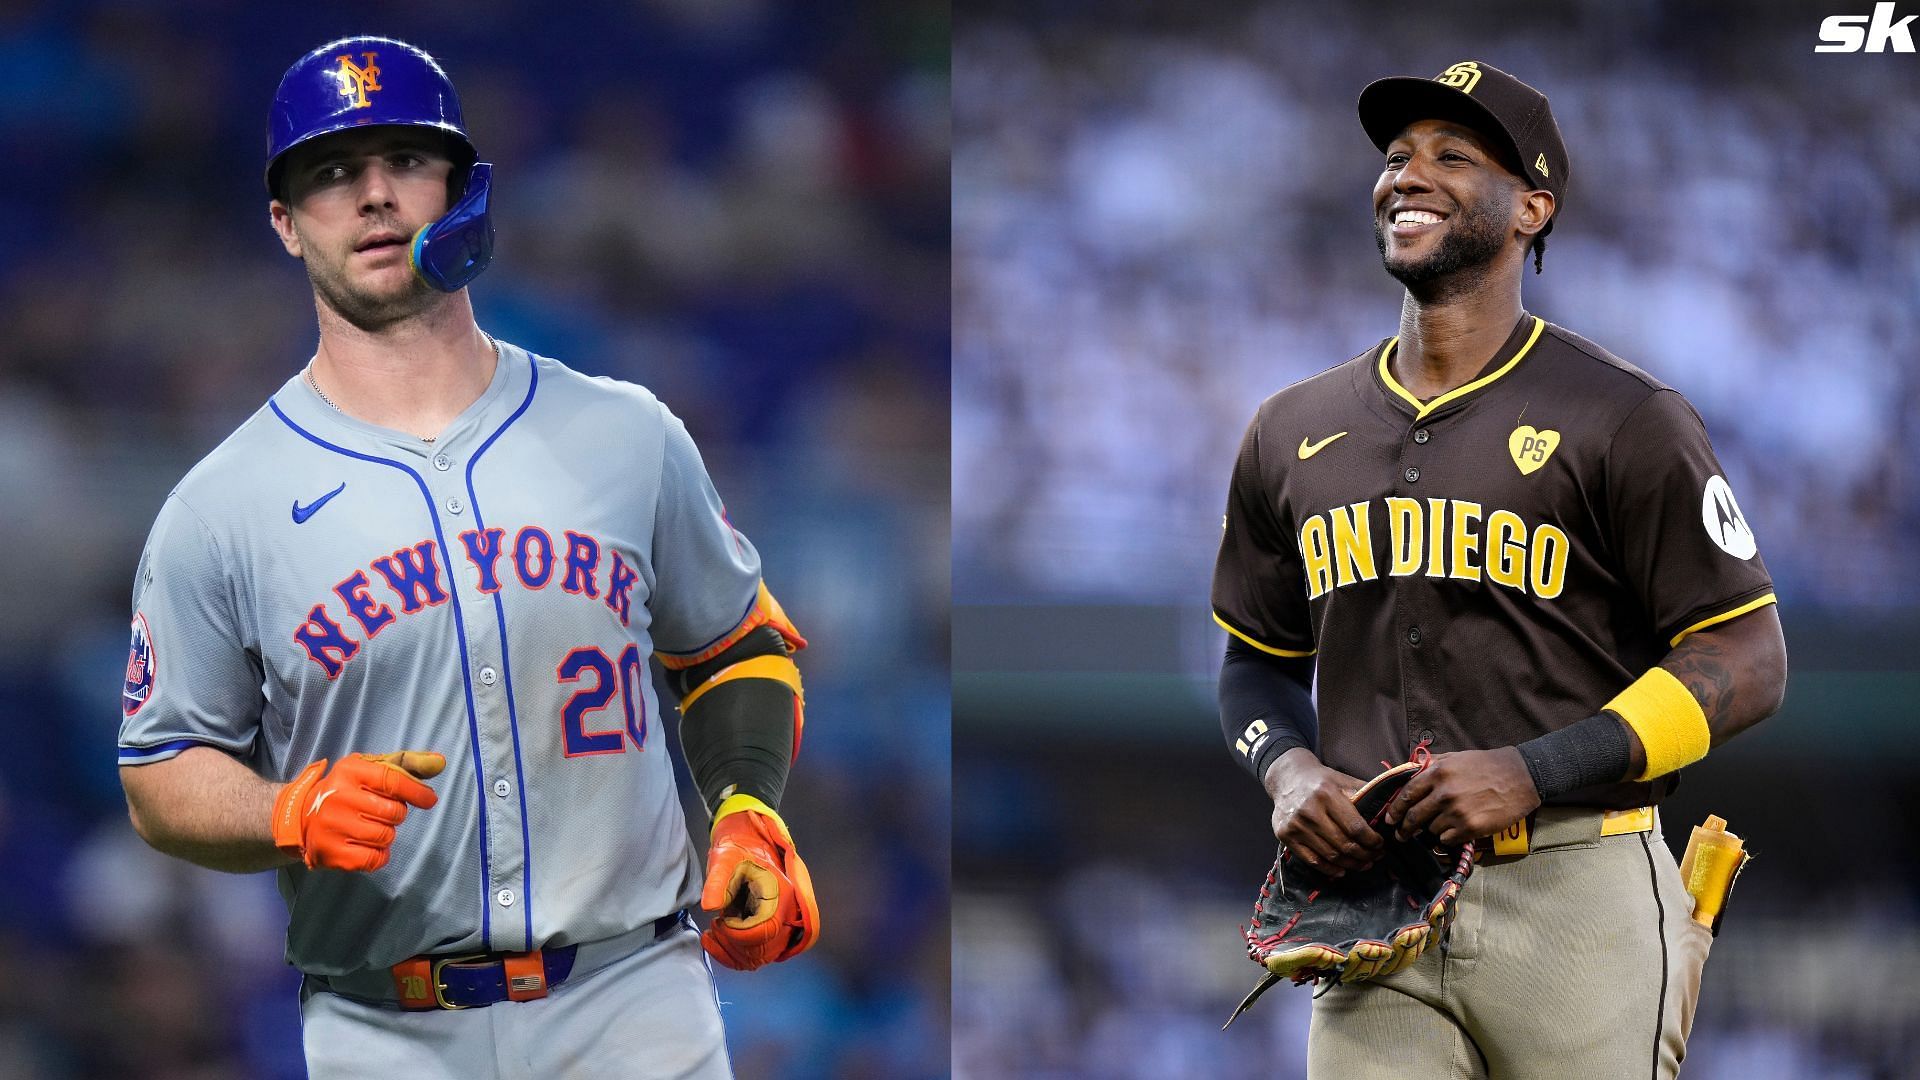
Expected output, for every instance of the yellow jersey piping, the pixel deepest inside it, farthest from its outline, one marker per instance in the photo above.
(1265, 648)
(1751, 605)
(1420, 411)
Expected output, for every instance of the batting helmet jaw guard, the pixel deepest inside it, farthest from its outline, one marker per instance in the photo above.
(452, 251)
(360, 82)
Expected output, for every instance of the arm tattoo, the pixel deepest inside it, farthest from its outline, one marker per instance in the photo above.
(1706, 669)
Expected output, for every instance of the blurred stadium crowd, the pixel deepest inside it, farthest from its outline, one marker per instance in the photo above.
(1157, 226)
(742, 205)
(1161, 216)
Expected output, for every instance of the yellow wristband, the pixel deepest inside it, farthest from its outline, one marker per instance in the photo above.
(780, 669)
(733, 804)
(1671, 725)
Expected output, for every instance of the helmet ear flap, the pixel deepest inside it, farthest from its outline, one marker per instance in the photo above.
(277, 180)
(462, 154)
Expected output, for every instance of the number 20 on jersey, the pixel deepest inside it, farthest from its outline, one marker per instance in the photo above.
(599, 677)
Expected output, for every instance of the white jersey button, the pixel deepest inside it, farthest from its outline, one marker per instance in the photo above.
(488, 676)
(502, 788)
(454, 505)
(442, 462)
(505, 896)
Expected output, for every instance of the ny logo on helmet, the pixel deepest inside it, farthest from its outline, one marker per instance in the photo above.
(1463, 76)
(356, 81)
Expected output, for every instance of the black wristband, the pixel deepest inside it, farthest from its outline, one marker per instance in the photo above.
(1271, 750)
(1585, 754)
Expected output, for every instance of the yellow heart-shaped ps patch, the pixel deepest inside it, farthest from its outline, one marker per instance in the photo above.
(1530, 448)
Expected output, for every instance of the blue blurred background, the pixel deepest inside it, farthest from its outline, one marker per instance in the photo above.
(742, 204)
(1161, 216)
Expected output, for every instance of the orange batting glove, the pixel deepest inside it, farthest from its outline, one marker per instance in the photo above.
(757, 887)
(344, 819)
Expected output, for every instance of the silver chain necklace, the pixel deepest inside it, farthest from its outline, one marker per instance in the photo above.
(317, 390)
(329, 401)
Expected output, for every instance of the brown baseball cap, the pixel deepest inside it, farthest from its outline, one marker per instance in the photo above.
(1486, 99)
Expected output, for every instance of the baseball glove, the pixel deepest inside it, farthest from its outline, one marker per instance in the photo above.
(1311, 928)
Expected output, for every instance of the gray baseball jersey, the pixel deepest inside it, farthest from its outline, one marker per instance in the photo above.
(319, 586)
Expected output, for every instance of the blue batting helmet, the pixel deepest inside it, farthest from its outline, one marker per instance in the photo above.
(375, 81)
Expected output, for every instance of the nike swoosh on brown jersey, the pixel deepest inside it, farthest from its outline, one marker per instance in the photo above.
(1309, 448)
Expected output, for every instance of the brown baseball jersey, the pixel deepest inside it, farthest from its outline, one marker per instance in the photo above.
(1487, 566)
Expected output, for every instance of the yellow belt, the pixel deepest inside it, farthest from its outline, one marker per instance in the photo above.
(1554, 826)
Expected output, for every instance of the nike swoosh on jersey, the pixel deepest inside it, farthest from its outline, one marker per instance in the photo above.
(1309, 448)
(302, 513)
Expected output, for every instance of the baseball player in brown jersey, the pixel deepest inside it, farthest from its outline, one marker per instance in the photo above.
(1490, 536)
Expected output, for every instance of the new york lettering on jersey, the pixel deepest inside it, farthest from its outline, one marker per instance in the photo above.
(413, 578)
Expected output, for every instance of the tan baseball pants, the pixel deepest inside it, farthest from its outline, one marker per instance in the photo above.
(1578, 959)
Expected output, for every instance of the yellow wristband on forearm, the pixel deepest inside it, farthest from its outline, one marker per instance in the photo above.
(733, 804)
(1670, 722)
(780, 669)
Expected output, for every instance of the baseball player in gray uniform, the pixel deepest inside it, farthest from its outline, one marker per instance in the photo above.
(391, 638)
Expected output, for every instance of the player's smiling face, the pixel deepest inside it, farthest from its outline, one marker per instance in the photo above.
(352, 204)
(1444, 203)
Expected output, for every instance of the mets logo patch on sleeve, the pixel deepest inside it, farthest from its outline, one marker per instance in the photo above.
(139, 684)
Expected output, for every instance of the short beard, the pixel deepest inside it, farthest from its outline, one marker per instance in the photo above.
(363, 310)
(1459, 263)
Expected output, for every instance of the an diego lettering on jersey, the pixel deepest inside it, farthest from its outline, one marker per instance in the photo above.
(582, 565)
(1438, 538)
